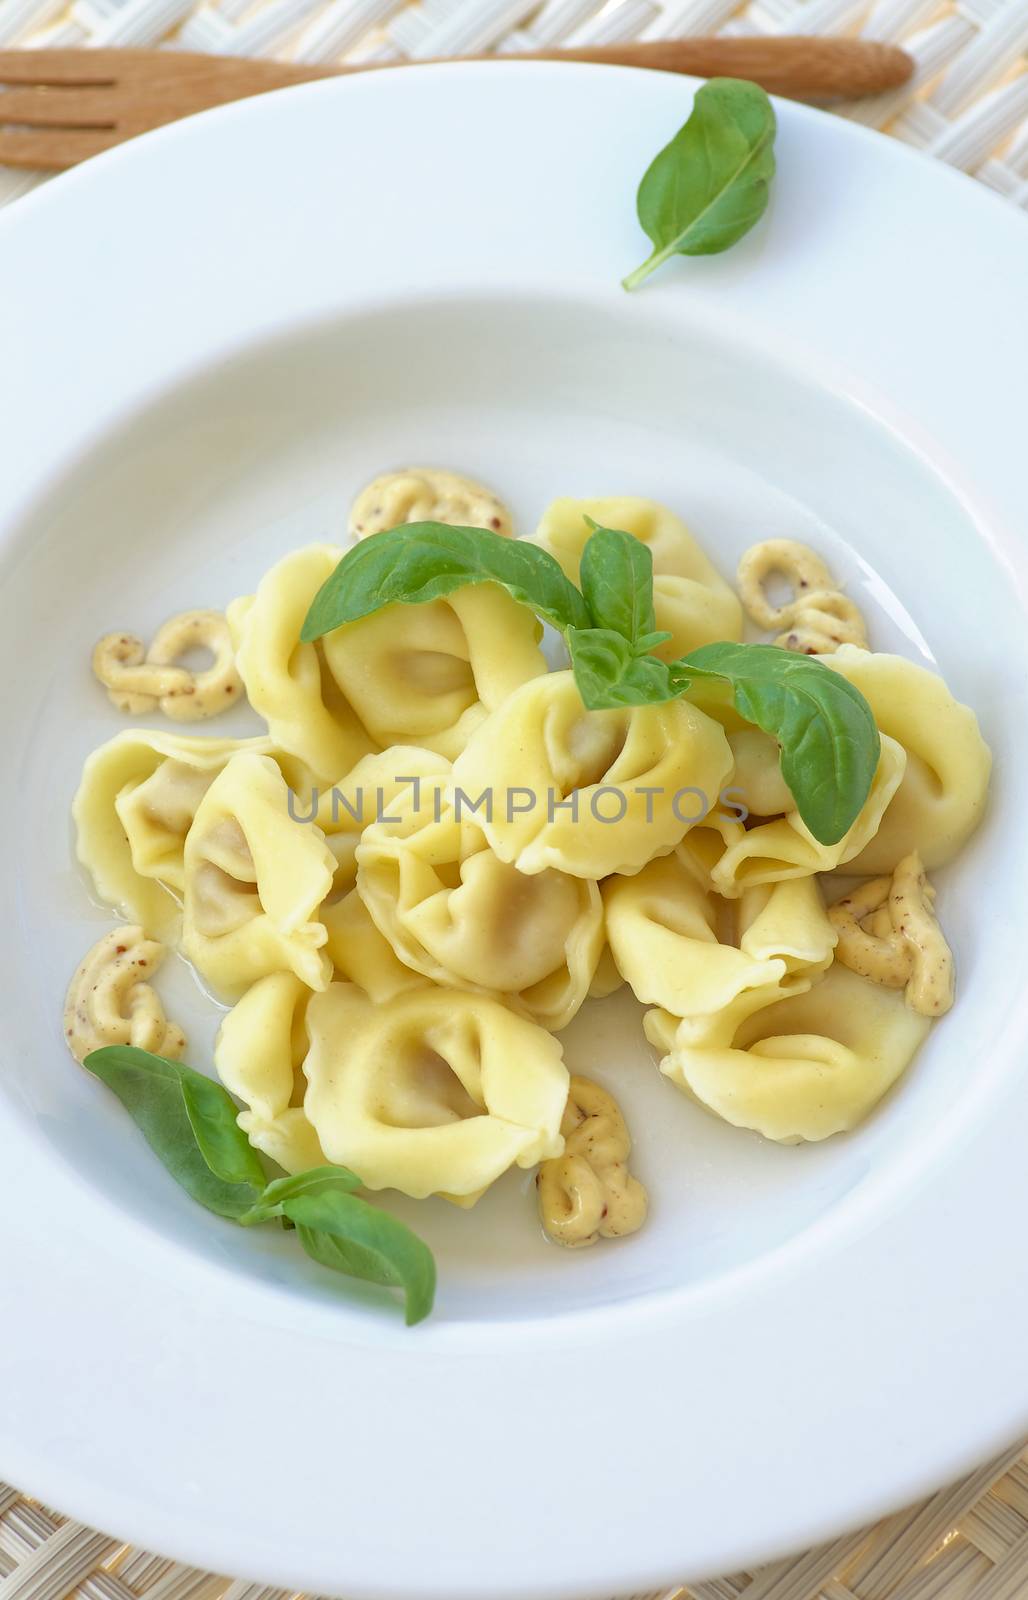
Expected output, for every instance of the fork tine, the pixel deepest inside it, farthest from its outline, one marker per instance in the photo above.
(76, 68)
(54, 149)
(56, 108)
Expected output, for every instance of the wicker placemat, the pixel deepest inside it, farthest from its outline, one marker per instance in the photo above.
(967, 105)
(965, 1543)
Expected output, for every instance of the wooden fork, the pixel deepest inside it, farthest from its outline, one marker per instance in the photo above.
(58, 107)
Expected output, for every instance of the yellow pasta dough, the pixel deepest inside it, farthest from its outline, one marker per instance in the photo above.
(135, 804)
(288, 683)
(437, 854)
(663, 934)
(802, 1068)
(591, 792)
(451, 909)
(691, 600)
(258, 1055)
(369, 794)
(429, 674)
(784, 847)
(407, 674)
(941, 798)
(363, 955)
(433, 1092)
(681, 948)
(254, 882)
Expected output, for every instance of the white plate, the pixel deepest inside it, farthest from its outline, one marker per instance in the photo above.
(211, 338)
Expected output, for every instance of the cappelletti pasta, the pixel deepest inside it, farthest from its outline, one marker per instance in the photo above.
(134, 807)
(433, 1092)
(570, 785)
(259, 1054)
(254, 882)
(682, 948)
(784, 847)
(800, 1068)
(452, 910)
(941, 795)
(437, 855)
(691, 600)
(424, 675)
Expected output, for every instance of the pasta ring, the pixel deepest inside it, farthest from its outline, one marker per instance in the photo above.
(818, 618)
(588, 1193)
(888, 932)
(110, 1000)
(427, 494)
(140, 680)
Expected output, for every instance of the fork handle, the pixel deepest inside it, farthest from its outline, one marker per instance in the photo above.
(800, 68)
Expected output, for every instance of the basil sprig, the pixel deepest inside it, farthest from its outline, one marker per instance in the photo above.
(189, 1122)
(708, 187)
(826, 730)
(423, 561)
(825, 727)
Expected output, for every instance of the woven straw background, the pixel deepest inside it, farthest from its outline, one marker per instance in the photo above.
(968, 105)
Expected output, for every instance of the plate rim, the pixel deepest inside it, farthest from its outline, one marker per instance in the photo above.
(85, 1495)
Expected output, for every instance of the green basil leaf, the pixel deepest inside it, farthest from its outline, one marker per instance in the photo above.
(650, 641)
(224, 1146)
(616, 575)
(424, 561)
(151, 1090)
(827, 731)
(313, 1181)
(708, 187)
(609, 673)
(351, 1236)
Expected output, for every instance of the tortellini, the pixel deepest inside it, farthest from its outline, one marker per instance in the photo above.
(674, 944)
(590, 792)
(433, 1092)
(359, 952)
(135, 804)
(429, 674)
(369, 794)
(451, 909)
(801, 1068)
(436, 854)
(784, 847)
(254, 882)
(941, 798)
(288, 683)
(691, 600)
(417, 674)
(259, 1055)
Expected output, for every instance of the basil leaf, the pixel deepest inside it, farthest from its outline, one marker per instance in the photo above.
(708, 187)
(616, 575)
(189, 1123)
(609, 673)
(650, 641)
(313, 1181)
(827, 731)
(224, 1146)
(423, 561)
(349, 1235)
(151, 1090)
